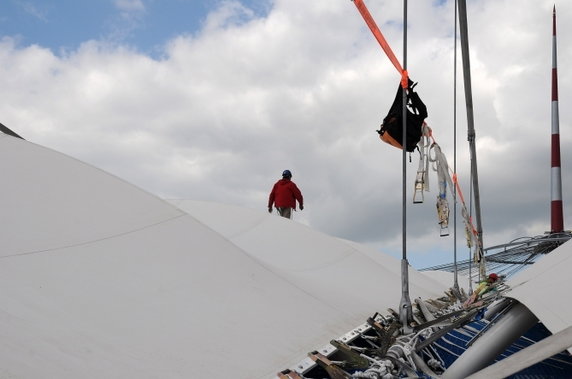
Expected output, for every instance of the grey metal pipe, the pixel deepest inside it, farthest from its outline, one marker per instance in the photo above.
(496, 307)
(529, 356)
(490, 345)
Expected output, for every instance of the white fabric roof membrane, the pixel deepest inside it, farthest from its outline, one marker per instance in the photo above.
(103, 280)
(544, 288)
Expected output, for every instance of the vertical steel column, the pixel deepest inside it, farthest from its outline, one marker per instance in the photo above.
(471, 129)
(456, 274)
(405, 314)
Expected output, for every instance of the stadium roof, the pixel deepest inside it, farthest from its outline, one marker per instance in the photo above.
(102, 279)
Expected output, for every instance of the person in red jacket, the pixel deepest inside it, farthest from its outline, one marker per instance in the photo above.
(284, 195)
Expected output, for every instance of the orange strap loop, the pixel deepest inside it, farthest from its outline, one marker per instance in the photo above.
(379, 37)
(404, 79)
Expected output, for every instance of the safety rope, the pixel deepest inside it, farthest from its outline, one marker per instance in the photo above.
(422, 178)
(442, 168)
(447, 179)
(360, 5)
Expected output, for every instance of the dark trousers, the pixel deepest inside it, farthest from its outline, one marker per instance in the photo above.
(285, 211)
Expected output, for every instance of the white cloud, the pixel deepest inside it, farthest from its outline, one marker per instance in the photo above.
(129, 18)
(229, 107)
(130, 5)
(33, 10)
(228, 14)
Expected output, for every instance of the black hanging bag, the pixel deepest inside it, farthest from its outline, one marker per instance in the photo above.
(392, 128)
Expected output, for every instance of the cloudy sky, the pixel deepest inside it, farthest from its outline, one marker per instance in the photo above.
(211, 100)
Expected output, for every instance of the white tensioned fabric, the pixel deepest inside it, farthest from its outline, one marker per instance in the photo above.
(103, 280)
(544, 288)
(329, 268)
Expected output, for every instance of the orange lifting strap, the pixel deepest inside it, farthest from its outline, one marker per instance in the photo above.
(381, 39)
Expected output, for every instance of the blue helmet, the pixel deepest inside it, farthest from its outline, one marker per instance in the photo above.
(286, 174)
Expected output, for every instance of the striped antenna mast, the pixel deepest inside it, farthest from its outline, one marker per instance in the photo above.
(556, 213)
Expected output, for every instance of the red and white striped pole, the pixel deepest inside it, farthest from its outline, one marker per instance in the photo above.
(556, 214)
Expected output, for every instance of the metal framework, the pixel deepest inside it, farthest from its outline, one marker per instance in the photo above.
(509, 258)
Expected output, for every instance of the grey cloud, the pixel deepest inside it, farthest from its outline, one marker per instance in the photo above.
(304, 87)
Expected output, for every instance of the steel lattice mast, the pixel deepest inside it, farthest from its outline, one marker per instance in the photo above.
(556, 213)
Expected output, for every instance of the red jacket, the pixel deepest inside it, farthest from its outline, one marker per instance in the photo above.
(284, 194)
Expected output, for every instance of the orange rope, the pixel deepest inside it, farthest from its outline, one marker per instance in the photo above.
(458, 187)
(381, 39)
